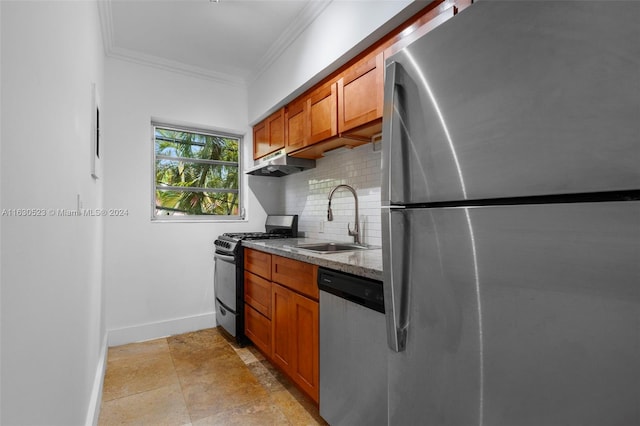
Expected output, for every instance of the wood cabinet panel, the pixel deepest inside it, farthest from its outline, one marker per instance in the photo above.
(258, 262)
(360, 93)
(306, 344)
(296, 125)
(257, 293)
(276, 130)
(298, 276)
(282, 327)
(323, 113)
(260, 140)
(295, 344)
(257, 328)
(268, 135)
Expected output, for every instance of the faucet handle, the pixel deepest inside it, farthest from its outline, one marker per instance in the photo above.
(354, 233)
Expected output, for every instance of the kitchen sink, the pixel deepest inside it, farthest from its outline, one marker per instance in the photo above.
(325, 248)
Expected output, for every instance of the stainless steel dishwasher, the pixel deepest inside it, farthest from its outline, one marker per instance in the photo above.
(353, 350)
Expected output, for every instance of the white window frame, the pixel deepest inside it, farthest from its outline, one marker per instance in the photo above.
(195, 217)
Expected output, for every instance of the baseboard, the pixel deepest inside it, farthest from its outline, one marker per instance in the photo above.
(156, 330)
(93, 412)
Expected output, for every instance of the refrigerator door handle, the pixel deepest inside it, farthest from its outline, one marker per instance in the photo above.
(398, 91)
(396, 286)
(389, 138)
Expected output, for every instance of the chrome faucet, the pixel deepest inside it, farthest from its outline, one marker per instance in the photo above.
(356, 230)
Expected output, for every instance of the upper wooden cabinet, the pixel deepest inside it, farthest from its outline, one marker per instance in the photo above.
(360, 95)
(345, 109)
(323, 112)
(296, 125)
(268, 135)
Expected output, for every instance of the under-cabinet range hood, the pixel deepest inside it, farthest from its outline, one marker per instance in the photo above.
(280, 164)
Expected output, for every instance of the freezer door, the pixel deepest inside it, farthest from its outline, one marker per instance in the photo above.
(519, 315)
(511, 99)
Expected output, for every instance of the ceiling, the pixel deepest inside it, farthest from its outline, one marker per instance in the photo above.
(231, 40)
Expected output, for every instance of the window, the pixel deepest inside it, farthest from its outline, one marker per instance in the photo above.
(197, 174)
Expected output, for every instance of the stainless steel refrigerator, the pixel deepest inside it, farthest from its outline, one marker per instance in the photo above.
(511, 217)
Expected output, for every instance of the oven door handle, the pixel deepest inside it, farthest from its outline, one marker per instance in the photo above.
(225, 257)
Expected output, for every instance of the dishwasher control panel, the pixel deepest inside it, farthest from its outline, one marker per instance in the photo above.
(363, 291)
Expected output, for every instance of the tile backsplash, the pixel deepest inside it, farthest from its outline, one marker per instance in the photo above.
(306, 194)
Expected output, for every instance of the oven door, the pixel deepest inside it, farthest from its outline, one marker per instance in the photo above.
(225, 290)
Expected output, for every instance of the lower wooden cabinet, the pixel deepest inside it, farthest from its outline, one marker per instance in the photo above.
(282, 325)
(294, 328)
(305, 342)
(257, 293)
(287, 330)
(257, 328)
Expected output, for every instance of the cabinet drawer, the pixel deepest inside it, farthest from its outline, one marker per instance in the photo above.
(258, 262)
(298, 276)
(258, 329)
(257, 293)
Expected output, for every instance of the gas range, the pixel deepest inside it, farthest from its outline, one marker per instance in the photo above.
(229, 271)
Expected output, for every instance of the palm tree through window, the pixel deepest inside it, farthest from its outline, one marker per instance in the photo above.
(196, 173)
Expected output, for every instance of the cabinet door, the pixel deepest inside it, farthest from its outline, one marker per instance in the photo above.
(282, 327)
(305, 344)
(276, 130)
(296, 125)
(360, 93)
(323, 113)
(268, 135)
(260, 140)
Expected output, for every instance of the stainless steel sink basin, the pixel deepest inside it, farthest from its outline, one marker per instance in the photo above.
(325, 248)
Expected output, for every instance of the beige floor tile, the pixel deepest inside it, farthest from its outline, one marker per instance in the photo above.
(295, 412)
(164, 406)
(261, 412)
(206, 395)
(136, 368)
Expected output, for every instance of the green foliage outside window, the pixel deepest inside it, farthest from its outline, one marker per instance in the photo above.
(195, 173)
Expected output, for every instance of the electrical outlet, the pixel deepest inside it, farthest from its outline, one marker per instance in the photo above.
(321, 227)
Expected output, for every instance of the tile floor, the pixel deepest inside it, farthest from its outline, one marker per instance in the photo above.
(199, 378)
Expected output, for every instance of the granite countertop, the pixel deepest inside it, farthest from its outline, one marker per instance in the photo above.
(364, 263)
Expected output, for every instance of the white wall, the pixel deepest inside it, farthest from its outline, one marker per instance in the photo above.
(52, 313)
(343, 29)
(159, 276)
(307, 195)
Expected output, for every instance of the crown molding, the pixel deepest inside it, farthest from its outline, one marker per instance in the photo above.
(300, 23)
(174, 66)
(304, 18)
(106, 24)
